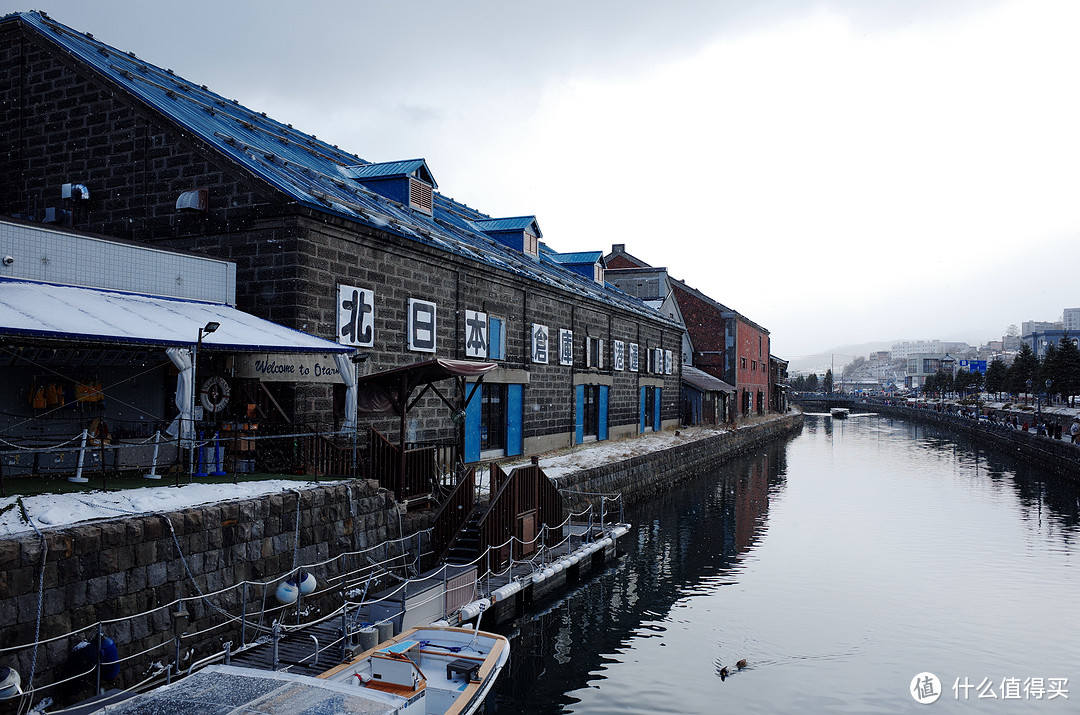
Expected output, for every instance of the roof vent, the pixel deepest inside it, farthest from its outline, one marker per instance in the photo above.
(195, 200)
(586, 263)
(420, 196)
(408, 182)
(521, 233)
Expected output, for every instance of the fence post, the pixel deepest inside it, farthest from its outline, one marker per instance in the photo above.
(100, 643)
(79, 478)
(153, 463)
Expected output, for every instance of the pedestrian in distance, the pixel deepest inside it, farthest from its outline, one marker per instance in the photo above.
(1074, 430)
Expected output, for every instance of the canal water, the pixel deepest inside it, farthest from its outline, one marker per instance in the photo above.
(841, 564)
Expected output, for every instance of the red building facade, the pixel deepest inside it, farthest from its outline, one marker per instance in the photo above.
(752, 372)
(726, 344)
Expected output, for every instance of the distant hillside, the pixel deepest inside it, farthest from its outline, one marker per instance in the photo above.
(837, 357)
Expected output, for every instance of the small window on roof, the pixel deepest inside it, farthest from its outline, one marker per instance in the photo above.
(531, 244)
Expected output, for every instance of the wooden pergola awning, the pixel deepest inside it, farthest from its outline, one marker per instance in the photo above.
(389, 390)
(392, 391)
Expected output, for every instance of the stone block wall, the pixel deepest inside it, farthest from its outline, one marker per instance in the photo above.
(113, 571)
(66, 126)
(1059, 455)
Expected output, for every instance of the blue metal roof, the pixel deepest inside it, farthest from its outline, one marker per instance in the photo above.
(516, 223)
(312, 172)
(589, 257)
(387, 169)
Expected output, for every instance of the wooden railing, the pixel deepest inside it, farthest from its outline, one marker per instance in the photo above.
(411, 475)
(299, 449)
(455, 511)
(324, 457)
(446, 461)
(497, 525)
(521, 504)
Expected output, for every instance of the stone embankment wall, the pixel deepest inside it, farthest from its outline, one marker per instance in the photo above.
(1058, 455)
(112, 570)
(639, 477)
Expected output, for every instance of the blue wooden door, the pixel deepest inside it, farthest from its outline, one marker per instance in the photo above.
(656, 410)
(601, 429)
(514, 402)
(579, 414)
(472, 427)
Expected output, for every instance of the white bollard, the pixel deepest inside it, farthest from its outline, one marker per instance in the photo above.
(79, 478)
(153, 465)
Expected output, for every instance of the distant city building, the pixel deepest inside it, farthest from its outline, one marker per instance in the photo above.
(1030, 326)
(1071, 320)
(922, 366)
(1041, 339)
(907, 348)
(1011, 343)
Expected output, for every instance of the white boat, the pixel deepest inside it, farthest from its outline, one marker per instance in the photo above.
(428, 670)
(839, 413)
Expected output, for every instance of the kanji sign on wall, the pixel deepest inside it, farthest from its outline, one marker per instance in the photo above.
(356, 316)
(667, 362)
(566, 346)
(540, 343)
(421, 328)
(617, 354)
(633, 357)
(476, 334)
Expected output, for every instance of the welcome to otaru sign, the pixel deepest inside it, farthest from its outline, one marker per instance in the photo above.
(286, 367)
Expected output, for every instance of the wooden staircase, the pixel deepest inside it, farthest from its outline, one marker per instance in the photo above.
(466, 545)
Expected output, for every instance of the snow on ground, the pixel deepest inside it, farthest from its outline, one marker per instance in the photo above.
(593, 454)
(58, 510)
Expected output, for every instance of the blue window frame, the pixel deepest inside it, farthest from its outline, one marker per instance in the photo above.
(496, 339)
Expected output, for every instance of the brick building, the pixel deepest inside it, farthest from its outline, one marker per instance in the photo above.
(370, 255)
(722, 342)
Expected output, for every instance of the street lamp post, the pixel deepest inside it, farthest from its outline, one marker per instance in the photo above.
(204, 330)
(1038, 413)
(1048, 384)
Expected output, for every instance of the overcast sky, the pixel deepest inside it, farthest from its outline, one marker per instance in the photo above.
(838, 171)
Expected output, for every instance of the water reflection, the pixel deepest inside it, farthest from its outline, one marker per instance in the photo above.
(840, 564)
(685, 542)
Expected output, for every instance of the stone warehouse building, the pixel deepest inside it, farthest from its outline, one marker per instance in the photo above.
(718, 340)
(369, 255)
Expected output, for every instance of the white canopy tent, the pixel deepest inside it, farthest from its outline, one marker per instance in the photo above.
(62, 312)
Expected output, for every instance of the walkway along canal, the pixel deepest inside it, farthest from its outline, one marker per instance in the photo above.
(840, 564)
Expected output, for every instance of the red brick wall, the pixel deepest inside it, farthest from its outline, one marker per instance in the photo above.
(619, 261)
(706, 327)
(752, 344)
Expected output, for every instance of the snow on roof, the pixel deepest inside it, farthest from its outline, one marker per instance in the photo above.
(51, 311)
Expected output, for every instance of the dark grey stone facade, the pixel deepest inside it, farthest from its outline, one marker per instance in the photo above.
(66, 122)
